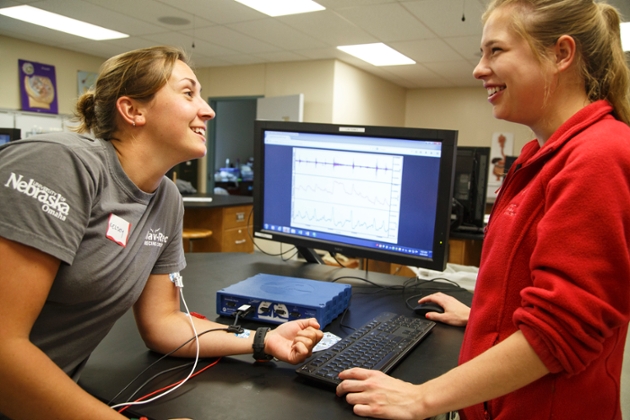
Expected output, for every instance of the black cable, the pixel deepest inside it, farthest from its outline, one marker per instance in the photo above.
(286, 252)
(437, 279)
(251, 236)
(240, 312)
(161, 358)
(334, 255)
(130, 398)
(379, 286)
(343, 315)
(421, 283)
(237, 329)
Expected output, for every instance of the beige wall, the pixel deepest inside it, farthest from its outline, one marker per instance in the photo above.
(333, 92)
(362, 98)
(67, 64)
(464, 109)
(312, 78)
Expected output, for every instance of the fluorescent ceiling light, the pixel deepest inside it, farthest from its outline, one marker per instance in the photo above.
(282, 7)
(625, 36)
(60, 23)
(377, 54)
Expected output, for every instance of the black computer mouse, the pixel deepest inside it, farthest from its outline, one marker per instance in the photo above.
(422, 308)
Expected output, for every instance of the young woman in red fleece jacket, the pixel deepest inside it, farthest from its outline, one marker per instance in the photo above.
(546, 333)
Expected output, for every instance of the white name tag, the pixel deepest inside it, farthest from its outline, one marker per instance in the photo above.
(118, 230)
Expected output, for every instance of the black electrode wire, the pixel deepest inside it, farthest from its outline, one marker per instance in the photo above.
(130, 398)
(160, 359)
(184, 365)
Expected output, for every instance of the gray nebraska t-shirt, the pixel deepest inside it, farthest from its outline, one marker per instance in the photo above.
(67, 195)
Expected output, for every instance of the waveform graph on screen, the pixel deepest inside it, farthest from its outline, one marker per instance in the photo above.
(347, 193)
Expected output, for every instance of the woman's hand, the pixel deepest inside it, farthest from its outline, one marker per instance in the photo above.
(455, 312)
(293, 341)
(375, 394)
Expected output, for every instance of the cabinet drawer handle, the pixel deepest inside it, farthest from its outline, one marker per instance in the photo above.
(240, 216)
(241, 241)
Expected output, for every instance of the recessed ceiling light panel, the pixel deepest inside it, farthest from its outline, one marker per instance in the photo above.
(282, 7)
(377, 54)
(60, 23)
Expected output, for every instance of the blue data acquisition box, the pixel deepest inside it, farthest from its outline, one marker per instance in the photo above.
(278, 299)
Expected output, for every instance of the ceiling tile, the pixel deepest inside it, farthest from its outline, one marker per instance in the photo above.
(427, 50)
(387, 22)
(466, 46)
(444, 17)
(329, 27)
(277, 33)
(226, 32)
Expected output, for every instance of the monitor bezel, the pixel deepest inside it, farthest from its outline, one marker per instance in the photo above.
(445, 190)
(481, 175)
(13, 133)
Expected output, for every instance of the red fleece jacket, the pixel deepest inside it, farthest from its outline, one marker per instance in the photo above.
(556, 265)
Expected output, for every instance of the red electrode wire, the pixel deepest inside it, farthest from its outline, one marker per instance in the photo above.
(171, 385)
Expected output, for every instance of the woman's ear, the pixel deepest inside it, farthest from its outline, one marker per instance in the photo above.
(130, 111)
(565, 52)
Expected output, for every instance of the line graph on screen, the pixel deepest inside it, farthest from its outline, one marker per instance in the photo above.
(347, 193)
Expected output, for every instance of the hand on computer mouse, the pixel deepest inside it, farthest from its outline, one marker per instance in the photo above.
(453, 311)
(424, 308)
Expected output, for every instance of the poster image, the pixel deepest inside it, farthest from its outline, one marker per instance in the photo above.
(86, 81)
(502, 146)
(38, 87)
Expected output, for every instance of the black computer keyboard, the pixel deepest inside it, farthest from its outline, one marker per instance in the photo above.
(380, 345)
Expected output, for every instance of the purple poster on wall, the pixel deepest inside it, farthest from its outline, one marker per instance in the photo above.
(38, 87)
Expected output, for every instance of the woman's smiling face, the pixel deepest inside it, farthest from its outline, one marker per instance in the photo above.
(512, 74)
(178, 115)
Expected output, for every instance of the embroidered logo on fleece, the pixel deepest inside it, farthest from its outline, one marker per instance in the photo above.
(511, 210)
(53, 203)
(155, 238)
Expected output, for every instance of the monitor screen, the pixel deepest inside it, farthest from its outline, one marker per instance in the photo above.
(9, 134)
(470, 187)
(363, 191)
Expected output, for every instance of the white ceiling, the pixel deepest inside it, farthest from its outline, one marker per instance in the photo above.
(224, 32)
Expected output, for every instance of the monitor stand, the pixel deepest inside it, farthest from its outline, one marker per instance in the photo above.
(310, 255)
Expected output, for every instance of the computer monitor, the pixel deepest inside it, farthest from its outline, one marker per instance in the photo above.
(363, 191)
(9, 134)
(509, 161)
(470, 188)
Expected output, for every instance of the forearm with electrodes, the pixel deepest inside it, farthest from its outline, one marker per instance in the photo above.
(178, 281)
(258, 346)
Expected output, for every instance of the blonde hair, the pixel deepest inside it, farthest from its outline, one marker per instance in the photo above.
(138, 74)
(595, 27)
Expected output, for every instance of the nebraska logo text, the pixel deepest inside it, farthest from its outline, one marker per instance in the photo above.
(52, 203)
